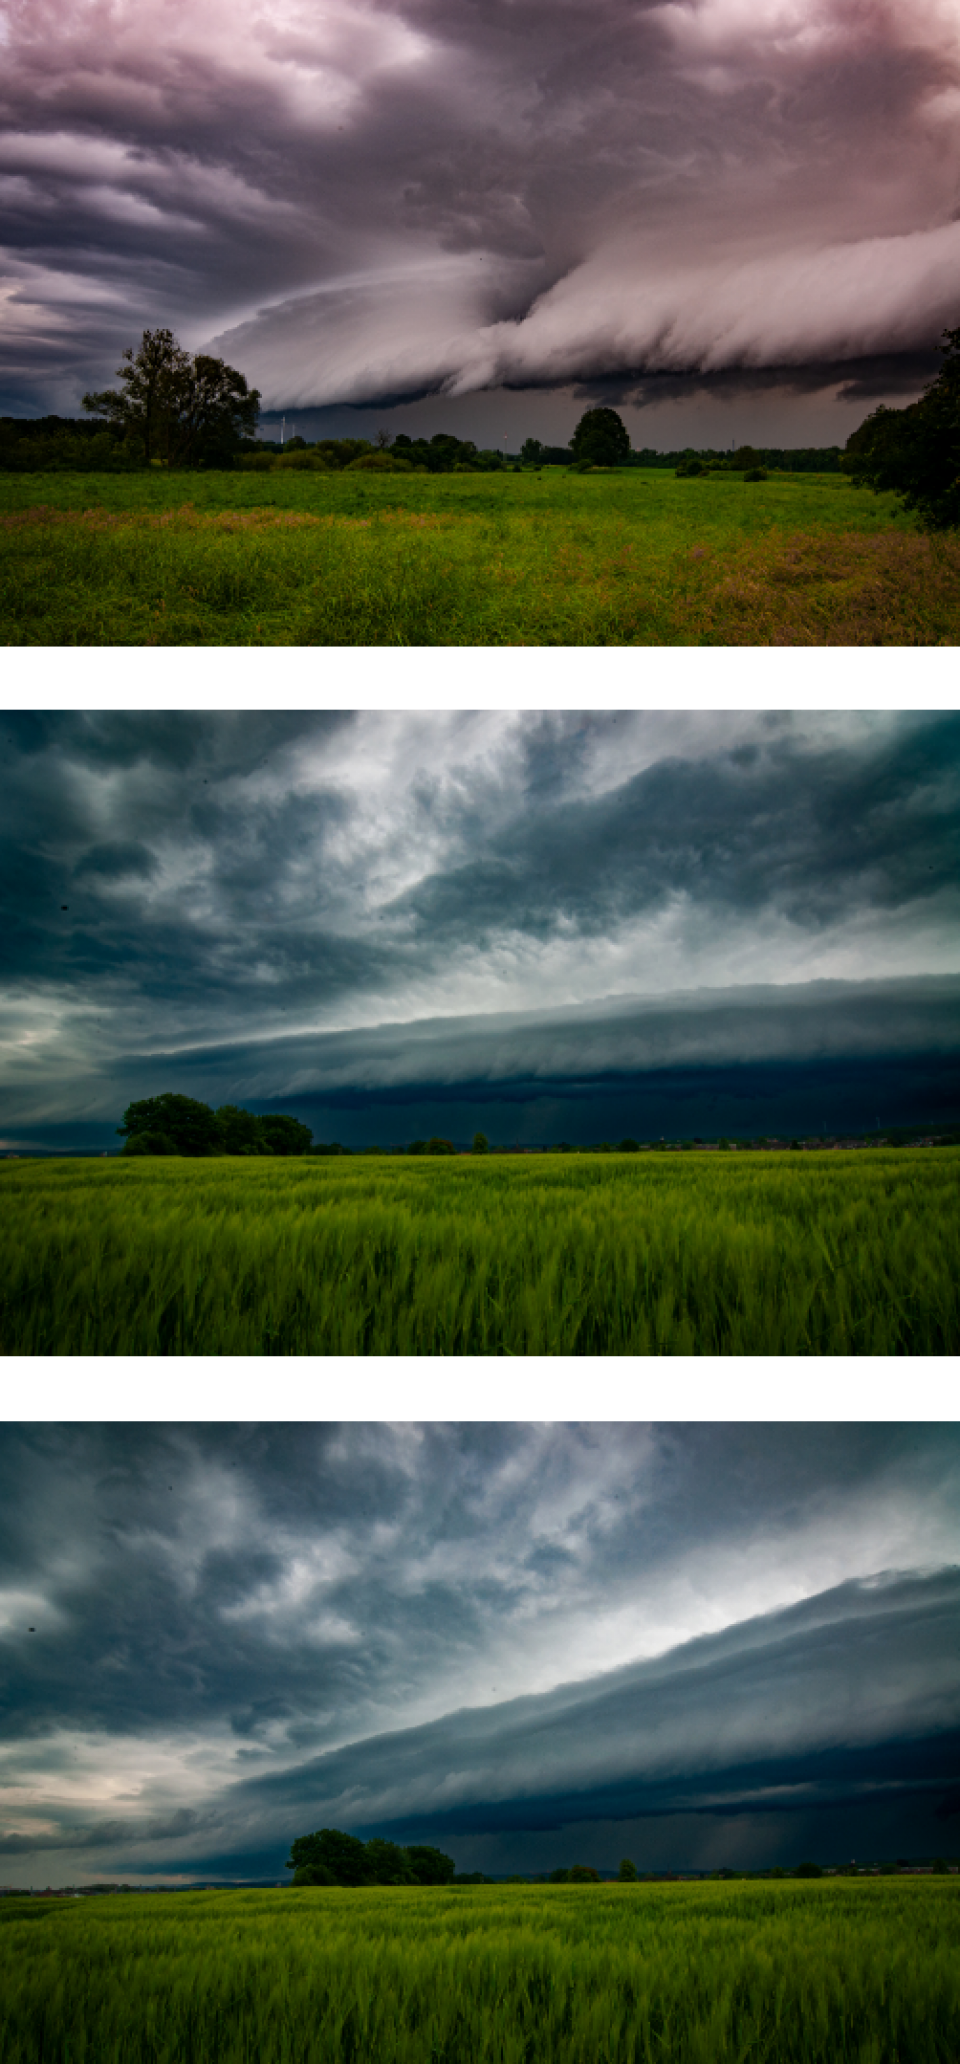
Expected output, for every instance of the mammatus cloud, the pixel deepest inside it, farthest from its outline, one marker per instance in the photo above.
(373, 201)
(471, 1631)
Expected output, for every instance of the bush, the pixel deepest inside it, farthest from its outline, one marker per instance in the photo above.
(379, 462)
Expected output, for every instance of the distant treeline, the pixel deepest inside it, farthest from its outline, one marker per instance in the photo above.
(64, 444)
(67, 444)
(174, 1124)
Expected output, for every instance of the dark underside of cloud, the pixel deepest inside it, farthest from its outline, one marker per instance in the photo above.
(376, 201)
(840, 1712)
(180, 891)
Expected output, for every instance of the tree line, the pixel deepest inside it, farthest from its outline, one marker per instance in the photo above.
(172, 408)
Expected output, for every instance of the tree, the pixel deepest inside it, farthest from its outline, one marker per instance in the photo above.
(431, 1866)
(151, 380)
(341, 1854)
(627, 1873)
(600, 439)
(915, 452)
(531, 451)
(149, 1143)
(481, 1144)
(189, 1125)
(285, 1135)
(629, 1146)
(559, 1877)
(188, 411)
(584, 1874)
(313, 1874)
(439, 1146)
(238, 1131)
(388, 1863)
(808, 1870)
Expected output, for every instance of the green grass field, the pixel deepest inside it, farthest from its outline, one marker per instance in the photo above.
(853, 1972)
(630, 557)
(771, 1253)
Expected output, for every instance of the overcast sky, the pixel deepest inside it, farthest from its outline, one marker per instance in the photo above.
(548, 925)
(530, 1643)
(749, 207)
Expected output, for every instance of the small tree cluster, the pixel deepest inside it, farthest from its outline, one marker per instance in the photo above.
(331, 1857)
(172, 1124)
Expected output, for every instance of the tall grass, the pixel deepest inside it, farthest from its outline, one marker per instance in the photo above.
(838, 1253)
(850, 1973)
(627, 558)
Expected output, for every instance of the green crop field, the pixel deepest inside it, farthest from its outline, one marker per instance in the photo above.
(766, 1253)
(629, 557)
(852, 1972)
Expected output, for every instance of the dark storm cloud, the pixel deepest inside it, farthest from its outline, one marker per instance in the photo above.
(904, 373)
(302, 905)
(392, 200)
(240, 1632)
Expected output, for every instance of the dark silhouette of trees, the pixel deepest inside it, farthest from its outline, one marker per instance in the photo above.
(190, 1126)
(914, 452)
(172, 1124)
(600, 439)
(184, 411)
(331, 1857)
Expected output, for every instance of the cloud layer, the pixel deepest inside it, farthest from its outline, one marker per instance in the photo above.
(342, 906)
(482, 1634)
(379, 200)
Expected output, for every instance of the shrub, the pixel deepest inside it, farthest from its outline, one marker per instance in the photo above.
(378, 462)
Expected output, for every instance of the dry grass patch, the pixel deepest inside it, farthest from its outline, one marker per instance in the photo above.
(840, 589)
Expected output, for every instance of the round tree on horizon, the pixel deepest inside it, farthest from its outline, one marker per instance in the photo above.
(601, 439)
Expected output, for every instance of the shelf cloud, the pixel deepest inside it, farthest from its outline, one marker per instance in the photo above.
(352, 911)
(514, 1640)
(375, 201)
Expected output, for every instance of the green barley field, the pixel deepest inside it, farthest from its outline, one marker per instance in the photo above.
(574, 1254)
(627, 557)
(851, 1972)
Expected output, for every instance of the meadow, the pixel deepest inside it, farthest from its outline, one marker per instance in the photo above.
(628, 557)
(818, 1253)
(854, 1972)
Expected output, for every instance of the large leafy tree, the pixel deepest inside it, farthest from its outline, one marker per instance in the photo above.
(239, 1131)
(914, 452)
(189, 1125)
(330, 1856)
(285, 1135)
(430, 1866)
(185, 410)
(339, 1853)
(601, 439)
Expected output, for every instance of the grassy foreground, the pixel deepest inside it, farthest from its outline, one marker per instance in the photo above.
(851, 1973)
(630, 557)
(775, 1253)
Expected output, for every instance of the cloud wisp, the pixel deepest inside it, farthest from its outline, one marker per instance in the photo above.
(377, 201)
